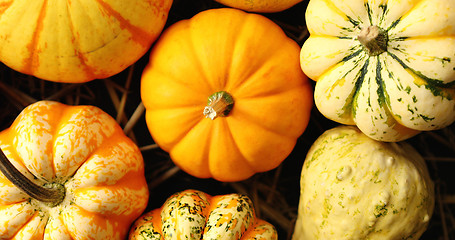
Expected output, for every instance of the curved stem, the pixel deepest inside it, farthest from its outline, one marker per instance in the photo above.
(52, 196)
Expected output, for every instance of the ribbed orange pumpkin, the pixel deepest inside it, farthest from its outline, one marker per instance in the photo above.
(79, 154)
(78, 41)
(260, 5)
(224, 94)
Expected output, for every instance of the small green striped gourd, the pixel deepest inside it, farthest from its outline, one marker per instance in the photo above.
(193, 214)
(386, 66)
(354, 187)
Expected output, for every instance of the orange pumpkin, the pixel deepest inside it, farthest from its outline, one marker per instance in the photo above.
(78, 41)
(80, 172)
(224, 94)
(193, 214)
(260, 5)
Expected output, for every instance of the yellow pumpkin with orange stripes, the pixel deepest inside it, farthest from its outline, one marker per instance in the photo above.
(78, 41)
(69, 172)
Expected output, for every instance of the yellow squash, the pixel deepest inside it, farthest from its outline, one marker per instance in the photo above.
(354, 187)
(386, 66)
(84, 178)
(78, 41)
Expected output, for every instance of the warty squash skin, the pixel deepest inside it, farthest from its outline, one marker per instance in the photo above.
(244, 63)
(392, 86)
(265, 6)
(195, 215)
(84, 151)
(78, 41)
(354, 187)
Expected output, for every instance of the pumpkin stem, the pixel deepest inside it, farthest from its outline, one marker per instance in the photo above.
(50, 193)
(374, 39)
(219, 105)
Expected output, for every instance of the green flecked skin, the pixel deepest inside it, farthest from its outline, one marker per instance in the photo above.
(194, 215)
(393, 85)
(354, 187)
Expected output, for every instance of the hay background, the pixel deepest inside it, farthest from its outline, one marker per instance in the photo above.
(274, 193)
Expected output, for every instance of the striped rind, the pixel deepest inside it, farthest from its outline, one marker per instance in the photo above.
(77, 41)
(392, 96)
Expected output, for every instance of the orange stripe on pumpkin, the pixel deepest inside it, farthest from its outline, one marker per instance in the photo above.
(31, 63)
(4, 6)
(88, 70)
(137, 34)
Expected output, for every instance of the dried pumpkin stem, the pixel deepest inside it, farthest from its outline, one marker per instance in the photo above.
(374, 39)
(219, 105)
(52, 193)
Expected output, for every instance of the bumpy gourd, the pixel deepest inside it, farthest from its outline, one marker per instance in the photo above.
(224, 94)
(81, 154)
(260, 5)
(78, 41)
(386, 66)
(353, 187)
(195, 215)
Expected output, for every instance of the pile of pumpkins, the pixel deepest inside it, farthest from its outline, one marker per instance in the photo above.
(227, 94)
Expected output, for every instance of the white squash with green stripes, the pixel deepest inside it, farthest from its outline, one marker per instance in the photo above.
(354, 187)
(386, 66)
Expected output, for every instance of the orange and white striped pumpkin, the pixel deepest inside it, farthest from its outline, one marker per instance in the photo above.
(78, 41)
(85, 152)
(193, 214)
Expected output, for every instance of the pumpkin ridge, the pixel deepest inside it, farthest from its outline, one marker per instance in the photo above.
(404, 15)
(181, 81)
(28, 215)
(197, 58)
(338, 11)
(88, 70)
(436, 83)
(246, 161)
(171, 145)
(111, 141)
(358, 83)
(250, 121)
(237, 83)
(137, 34)
(229, 80)
(30, 220)
(31, 63)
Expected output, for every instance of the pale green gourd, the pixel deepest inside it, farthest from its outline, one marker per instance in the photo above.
(353, 187)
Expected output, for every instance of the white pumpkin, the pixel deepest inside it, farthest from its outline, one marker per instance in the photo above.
(386, 66)
(353, 187)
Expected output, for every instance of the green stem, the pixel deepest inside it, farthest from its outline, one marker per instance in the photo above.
(52, 195)
(219, 104)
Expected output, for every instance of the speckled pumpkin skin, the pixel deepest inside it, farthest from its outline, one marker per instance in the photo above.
(196, 215)
(84, 149)
(353, 187)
